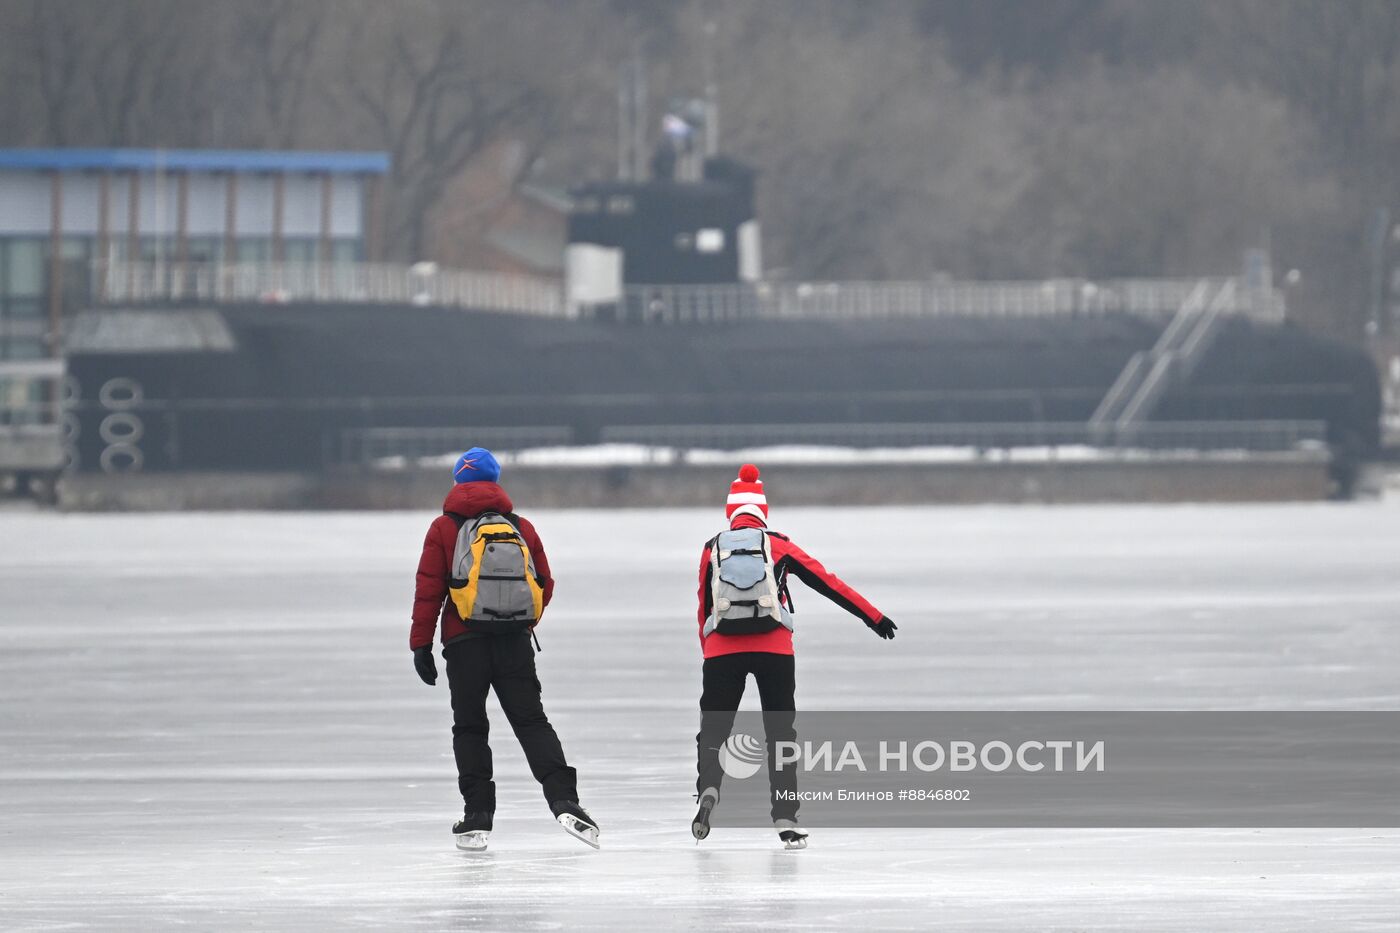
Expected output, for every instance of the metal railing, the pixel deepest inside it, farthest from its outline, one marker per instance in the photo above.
(278, 282)
(847, 300)
(1160, 435)
(426, 284)
(1178, 350)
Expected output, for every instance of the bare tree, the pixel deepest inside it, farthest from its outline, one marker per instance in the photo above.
(1337, 62)
(1165, 174)
(1338, 67)
(57, 63)
(436, 84)
(133, 65)
(877, 159)
(275, 48)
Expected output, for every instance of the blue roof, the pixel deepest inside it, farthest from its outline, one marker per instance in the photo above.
(194, 160)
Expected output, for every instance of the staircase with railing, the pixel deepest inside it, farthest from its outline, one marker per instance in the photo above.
(1148, 374)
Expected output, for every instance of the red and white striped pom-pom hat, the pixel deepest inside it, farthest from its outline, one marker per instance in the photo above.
(746, 495)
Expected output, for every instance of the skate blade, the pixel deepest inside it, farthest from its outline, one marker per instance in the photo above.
(473, 841)
(579, 829)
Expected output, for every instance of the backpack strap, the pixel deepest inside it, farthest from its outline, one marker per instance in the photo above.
(785, 594)
(460, 520)
(781, 572)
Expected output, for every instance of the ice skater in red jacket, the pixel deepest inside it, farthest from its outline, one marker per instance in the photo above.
(745, 619)
(489, 655)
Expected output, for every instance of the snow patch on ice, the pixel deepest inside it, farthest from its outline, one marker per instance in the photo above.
(607, 455)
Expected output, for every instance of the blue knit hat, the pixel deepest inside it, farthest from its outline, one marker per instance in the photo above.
(475, 466)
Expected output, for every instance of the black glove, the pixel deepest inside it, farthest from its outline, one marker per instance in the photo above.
(424, 664)
(885, 627)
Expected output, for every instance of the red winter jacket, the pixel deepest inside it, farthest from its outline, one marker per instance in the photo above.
(787, 556)
(430, 594)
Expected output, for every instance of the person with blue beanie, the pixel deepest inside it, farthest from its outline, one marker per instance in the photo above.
(484, 575)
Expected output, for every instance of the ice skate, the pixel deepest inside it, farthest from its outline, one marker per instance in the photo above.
(790, 834)
(472, 830)
(700, 826)
(576, 821)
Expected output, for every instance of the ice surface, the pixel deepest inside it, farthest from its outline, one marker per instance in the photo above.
(212, 721)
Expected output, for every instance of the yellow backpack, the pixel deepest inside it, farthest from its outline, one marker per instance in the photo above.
(493, 584)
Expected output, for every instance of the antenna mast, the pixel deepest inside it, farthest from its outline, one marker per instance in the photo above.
(711, 89)
(632, 115)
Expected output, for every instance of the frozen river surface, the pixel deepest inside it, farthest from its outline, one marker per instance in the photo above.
(212, 721)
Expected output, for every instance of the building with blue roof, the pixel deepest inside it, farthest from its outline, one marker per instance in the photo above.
(64, 213)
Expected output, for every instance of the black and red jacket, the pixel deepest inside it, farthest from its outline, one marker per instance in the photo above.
(430, 600)
(787, 558)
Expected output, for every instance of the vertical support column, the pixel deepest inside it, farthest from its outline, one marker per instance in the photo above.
(55, 264)
(324, 250)
(133, 233)
(182, 231)
(230, 252)
(327, 192)
(279, 197)
(104, 220)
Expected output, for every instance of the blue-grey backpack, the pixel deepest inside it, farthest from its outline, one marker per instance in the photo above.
(745, 594)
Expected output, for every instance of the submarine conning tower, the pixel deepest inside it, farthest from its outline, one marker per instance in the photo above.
(625, 235)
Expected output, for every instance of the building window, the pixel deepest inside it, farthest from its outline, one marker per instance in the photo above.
(77, 248)
(254, 249)
(76, 267)
(23, 307)
(301, 250)
(22, 281)
(24, 268)
(22, 349)
(204, 249)
(345, 251)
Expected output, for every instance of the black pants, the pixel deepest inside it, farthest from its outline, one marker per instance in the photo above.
(724, 680)
(507, 664)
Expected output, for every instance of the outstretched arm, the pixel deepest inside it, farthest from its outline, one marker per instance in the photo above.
(811, 572)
